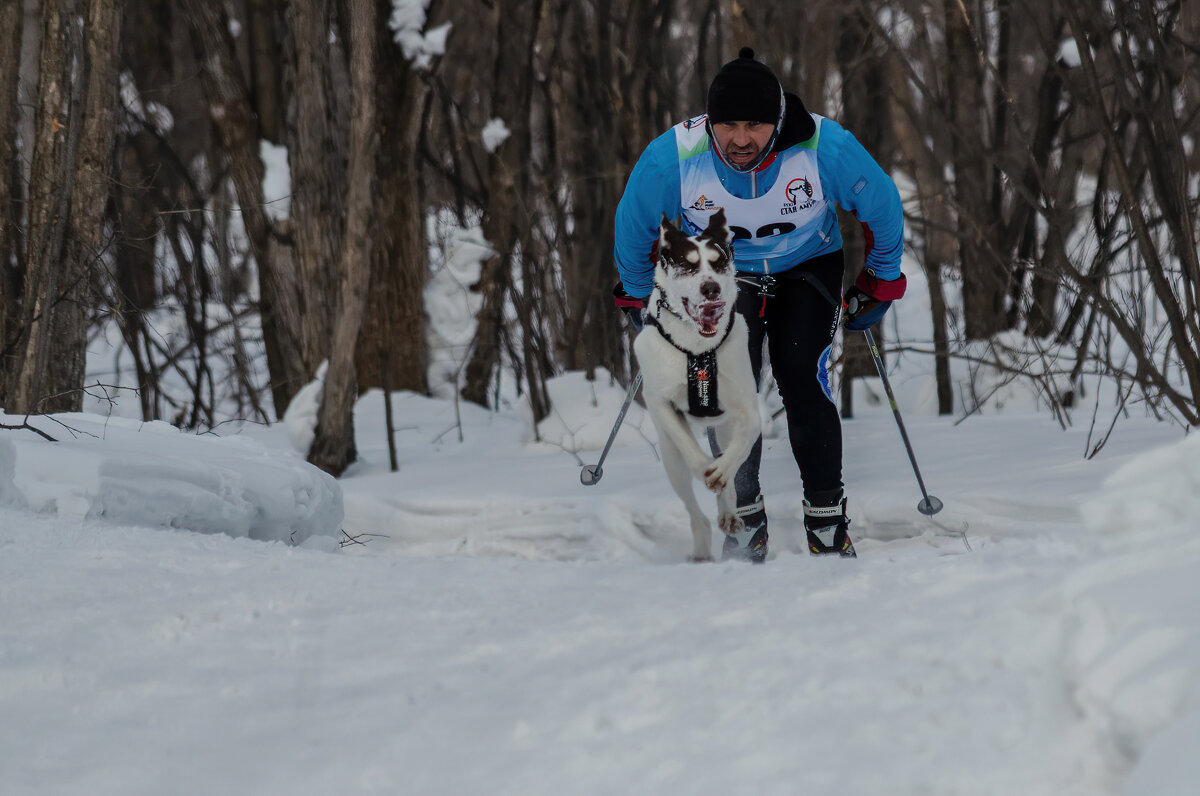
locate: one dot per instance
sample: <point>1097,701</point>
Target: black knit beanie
<point>745,90</point>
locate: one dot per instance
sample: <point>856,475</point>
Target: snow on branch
<point>407,23</point>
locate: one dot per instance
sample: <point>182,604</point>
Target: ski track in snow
<point>512,632</point>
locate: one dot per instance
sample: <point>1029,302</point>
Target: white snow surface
<point>502,629</point>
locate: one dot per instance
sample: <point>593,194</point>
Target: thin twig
<point>26,427</point>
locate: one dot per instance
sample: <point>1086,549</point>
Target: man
<point>776,170</point>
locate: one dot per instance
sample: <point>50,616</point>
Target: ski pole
<point>929,505</point>
<point>592,473</point>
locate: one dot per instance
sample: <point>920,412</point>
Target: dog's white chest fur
<point>667,378</point>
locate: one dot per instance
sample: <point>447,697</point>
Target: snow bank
<point>151,474</point>
<point>1152,494</point>
<point>9,494</point>
<point>582,414</point>
<point>1133,635</point>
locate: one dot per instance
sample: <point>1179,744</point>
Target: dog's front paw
<point>730,524</point>
<point>717,476</point>
<point>700,467</point>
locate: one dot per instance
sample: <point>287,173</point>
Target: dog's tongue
<point>710,317</point>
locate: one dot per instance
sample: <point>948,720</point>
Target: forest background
<point>275,185</point>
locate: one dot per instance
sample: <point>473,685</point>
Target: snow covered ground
<point>504,630</point>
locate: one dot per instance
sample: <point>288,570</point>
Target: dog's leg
<point>671,426</point>
<point>736,437</point>
<point>740,431</point>
<point>727,519</point>
<point>681,481</point>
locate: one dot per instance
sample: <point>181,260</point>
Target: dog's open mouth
<point>707,316</point>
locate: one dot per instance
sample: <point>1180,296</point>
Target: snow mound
<point>1155,493</point>
<point>152,474</point>
<point>9,494</point>
<point>1133,631</point>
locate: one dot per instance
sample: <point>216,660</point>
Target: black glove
<point>869,298</point>
<point>632,306</point>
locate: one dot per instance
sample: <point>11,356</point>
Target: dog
<point>693,342</point>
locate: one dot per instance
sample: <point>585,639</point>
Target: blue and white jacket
<point>781,213</point>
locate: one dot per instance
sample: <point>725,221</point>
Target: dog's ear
<point>717,230</point>
<point>669,235</point>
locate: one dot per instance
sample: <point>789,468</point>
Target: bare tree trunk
<point>517,22</point>
<point>262,22</point>
<point>596,158</point>
<point>866,112</point>
<point>933,218</point>
<point>86,243</point>
<point>11,17</point>
<point>134,282</point>
<point>393,334</point>
<point>985,277</point>
<point>317,152</point>
<point>50,281</point>
<point>31,56</point>
<point>231,114</point>
<point>600,134</point>
<point>333,447</point>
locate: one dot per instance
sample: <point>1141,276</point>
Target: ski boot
<point>749,544</point>
<point>826,527</point>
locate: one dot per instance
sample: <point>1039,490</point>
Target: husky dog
<point>692,344</point>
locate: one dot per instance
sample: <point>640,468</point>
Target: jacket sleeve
<point>852,178</point>
<point>651,191</point>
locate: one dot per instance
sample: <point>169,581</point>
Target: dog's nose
<point>710,290</point>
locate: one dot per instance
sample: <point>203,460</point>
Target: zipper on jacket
<point>754,195</point>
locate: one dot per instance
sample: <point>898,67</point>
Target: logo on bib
<point>703,203</point>
<point>794,189</point>
<point>797,185</point>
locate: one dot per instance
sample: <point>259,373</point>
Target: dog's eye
<point>685,262</point>
<point>721,262</point>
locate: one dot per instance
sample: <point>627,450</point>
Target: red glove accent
<point>625,301</point>
<point>880,289</point>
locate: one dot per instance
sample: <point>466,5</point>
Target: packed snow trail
<point>516,633</point>
<point>144,662</point>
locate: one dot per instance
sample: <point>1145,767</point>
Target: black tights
<point>799,324</point>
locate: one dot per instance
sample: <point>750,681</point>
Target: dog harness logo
<point>703,203</point>
<point>702,385</point>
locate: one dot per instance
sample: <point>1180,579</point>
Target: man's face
<point>742,142</point>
